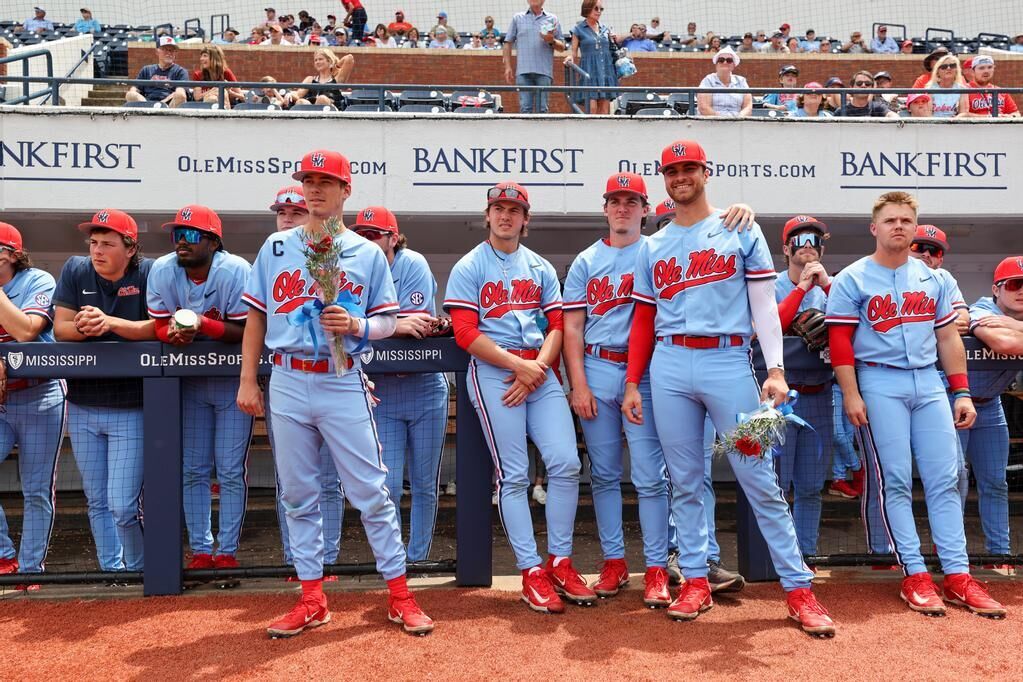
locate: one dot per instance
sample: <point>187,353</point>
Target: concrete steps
<point>105,96</point>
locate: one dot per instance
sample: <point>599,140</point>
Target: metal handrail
<point>27,80</point>
<point>225,23</point>
<point>194,24</point>
<point>574,73</point>
<point>157,27</point>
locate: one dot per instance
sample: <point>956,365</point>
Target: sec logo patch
<point>42,300</point>
<point>417,298</point>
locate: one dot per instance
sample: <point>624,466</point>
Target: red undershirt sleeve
<point>162,326</point>
<point>556,321</point>
<point>211,328</point>
<point>641,341</point>
<point>466,325</point>
<point>788,308</point>
<point>840,340</point>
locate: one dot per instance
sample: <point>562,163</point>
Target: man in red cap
<point>983,67</point>
<point>312,400</point>
<point>413,411</point>
<point>102,297</point>
<point>699,288</point>
<point>196,291</point>
<point>33,412</point>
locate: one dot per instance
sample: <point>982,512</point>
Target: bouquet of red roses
<point>760,431</point>
<point>323,261</point>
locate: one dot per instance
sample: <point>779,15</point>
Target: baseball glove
<point>3,381</point>
<point>809,325</point>
<point>442,327</point>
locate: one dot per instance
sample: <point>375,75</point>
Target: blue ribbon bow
<point>787,411</point>
<point>308,315</point>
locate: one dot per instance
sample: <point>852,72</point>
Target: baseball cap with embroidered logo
<point>114,220</point>
<point>929,234</point>
<point>683,151</point>
<point>376,218</point>
<point>325,162</point>
<point>166,41</point>
<point>802,222</point>
<point>10,238</point>
<point>1010,268</point>
<point>200,217</point>
<point>625,183</point>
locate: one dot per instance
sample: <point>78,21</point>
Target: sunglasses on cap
<point>495,193</point>
<point>1012,284</point>
<point>802,239</point>
<point>371,235</point>
<point>289,198</point>
<point>929,249</point>
<point>190,234</point>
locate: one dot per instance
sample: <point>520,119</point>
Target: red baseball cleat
<point>8,566</point>
<point>920,594</point>
<point>655,587</point>
<point>538,592</point>
<point>613,577</point>
<point>310,612</point>
<point>28,588</point>
<point>857,481</point>
<point>404,609</point>
<point>568,583</point>
<point>201,561</point>
<point>225,561</point>
<point>842,489</point>
<point>809,613</point>
<point>330,578</point>
<point>693,599</point>
<point>962,589</point>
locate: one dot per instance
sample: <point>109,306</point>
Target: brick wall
<point>3,53</point>
<point>455,67</point>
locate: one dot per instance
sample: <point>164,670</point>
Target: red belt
<point>702,342</point>
<point>525,353</point>
<point>809,389</point>
<point>20,384</point>
<point>303,365</point>
<point>605,354</point>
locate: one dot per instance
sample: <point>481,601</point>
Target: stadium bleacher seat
<point>679,101</point>
<point>471,98</point>
<point>314,107</point>
<point>421,109</point>
<point>426,97</point>
<point>474,110</point>
<point>143,105</point>
<point>768,113</point>
<point>255,106</point>
<point>199,105</point>
<point>630,102</point>
<point>663,112</point>
<point>368,97</point>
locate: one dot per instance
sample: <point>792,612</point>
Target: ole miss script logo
<point>602,296</point>
<point>884,314</point>
<point>704,267</point>
<point>290,290</point>
<point>496,300</point>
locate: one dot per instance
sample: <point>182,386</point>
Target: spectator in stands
<point>761,42</point>
<point>316,37</point>
<point>268,94</point>
<point>746,46</point>
<point>381,37</point>
<point>833,100</point>
<point>475,43</point>
<point>793,45</point>
<point>277,38</point>
<point>441,40</point>
<point>490,42</point>
<point>713,42</point>
<point>826,46</point>
<point>856,44</point>
<point>229,37</point>
<point>592,49</point>
<point>980,103</point>
<point>784,31</point>
<point>399,27</point>
<point>923,79</point>
<point>291,33</point>
<point>788,77</point>
<point>883,79</point>
<point>355,19</point>
<point>442,22</point>
<point>87,24</point>
<point>724,103</point>
<point>38,23</point>
<point>305,22</point>
<point>777,45</point>
<point>968,70</point>
<point>257,36</point>
<point>810,43</point>
<point>329,70</point>
<point>920,105</point>
<point>1017,44</point>
<point>811,105</point>
<point>271,17</point>
<point>906,47</point>
<point>638,40</point>
<point>882,43</point>
<point>412,39</point>
<point>691,38</point>
<point>535,34</point>
<point>331,24</point>
<point>340,37</point>
<point>162,74</point>
<point>658,33</point>
<point>864,105</point>
<point>489,29</point>
<point>213,67</point>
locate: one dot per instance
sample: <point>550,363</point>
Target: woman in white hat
<point>724,103</point>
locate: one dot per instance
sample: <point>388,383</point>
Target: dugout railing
<point>162,367</point>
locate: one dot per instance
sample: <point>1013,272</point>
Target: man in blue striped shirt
<point>536,35</point>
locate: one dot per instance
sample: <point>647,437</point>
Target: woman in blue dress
<point>593,40</point>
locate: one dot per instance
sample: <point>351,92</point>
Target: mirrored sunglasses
<point>813,239</point>
<point>1012,284</point>
<point>929,249</point>
<point>290,198</point>
<point>495,193</point>
<point>189,234</point>
<point>371,235</point>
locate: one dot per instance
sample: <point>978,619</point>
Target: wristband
<point>959,382</point>
<point>961,393</point>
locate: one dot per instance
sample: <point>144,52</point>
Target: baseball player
<point>495,294</point>
<point>32,415</point>
<point>200,276</point>
<point>800,464</point>
<point>289,206</point>
<point>103,298</point>
<point>844,458</point>
<point>891,319</point>
<point>699,289</point>
<point>311,403</point>
<point>413,410</point>
<point>997,320</point>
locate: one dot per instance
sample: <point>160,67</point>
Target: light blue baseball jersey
<point>897,311</point>
<point>414,283</point>
<point>600,282</point>
<point>280,284</point>
<point>987,383</point>
<point>507,290</point>
<point>169,288</point>
<point>31,290</point>
<point>697,277</point>
<point>954,293</point>
<point>814,298</point>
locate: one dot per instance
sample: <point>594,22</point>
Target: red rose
<point>321,246</point>
<point>748,447</point>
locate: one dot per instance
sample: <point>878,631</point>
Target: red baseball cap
<point>929,234</point>
<point>508,191</point>
<point>968,64</point>
<point>802,222</point>
<point>289,196</point>
<point>1010,268</point>
<point>376,218</point>
<point>683,151</point>
<point>664,208</point>
<point>625,183</point>
<point>325,162</point>
<point>112,219</point>
<point>10,237</point>
<point>784,27</point>
<point>200,217</point>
